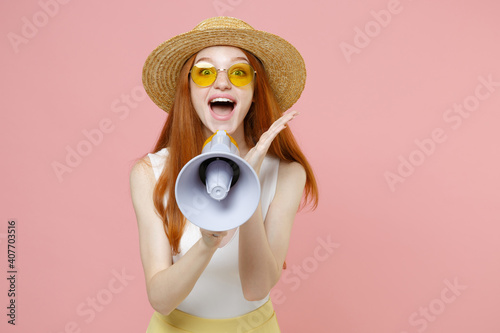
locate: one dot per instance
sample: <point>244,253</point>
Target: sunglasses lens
<point>203,74</point>
<point>240,74</point>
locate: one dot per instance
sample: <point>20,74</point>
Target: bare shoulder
<point>142,174</point>
<point>142,184</point>
<point>291,172</point>
<point>290,184</point>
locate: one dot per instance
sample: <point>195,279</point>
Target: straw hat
<point>284,65</point>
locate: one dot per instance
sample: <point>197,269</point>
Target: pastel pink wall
<point>399,119</point>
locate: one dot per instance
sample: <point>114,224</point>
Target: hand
<point>212,239</point>
<point>255,156</point>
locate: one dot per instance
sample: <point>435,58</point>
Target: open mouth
<point>222,108</point>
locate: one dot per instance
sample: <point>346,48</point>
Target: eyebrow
<point>210,59</point>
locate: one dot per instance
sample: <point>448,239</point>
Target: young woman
<point>222,75</point>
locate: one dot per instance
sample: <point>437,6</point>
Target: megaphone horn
<point>218,190</point>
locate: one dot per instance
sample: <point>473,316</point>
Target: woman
<point>222,75</point>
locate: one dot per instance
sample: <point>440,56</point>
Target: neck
<point>239,137</point>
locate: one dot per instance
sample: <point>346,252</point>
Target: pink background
<point>395,250</point>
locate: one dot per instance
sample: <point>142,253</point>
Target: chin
<point>228,128</point>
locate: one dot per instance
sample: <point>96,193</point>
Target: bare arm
<point>167,284</point>
<point>263,246</point>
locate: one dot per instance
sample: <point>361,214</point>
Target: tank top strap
<point>268,179</point>
<point>158,161</point>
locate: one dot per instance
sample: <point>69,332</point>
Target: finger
<point>267,138</point>
<point>289,115</point>
<point>281,123</point>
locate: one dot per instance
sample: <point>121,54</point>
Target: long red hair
<point>183,135</point>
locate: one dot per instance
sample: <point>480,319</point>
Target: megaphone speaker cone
<point>240,198</point>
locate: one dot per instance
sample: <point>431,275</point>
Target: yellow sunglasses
<point>205,74</point>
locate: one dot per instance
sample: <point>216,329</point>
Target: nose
<point>222,81</point>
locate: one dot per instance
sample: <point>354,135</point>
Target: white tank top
<point>218,292</point>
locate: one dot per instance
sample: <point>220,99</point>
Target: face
<point>222,105</point>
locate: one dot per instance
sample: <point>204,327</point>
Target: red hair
<point>183,135</point>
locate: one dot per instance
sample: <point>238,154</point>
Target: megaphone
<point>218,190</point>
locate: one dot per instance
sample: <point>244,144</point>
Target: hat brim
<point>284,65</point>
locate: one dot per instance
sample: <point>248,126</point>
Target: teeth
<point>219,99</point>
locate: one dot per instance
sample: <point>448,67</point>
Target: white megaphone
<point>218,190</point>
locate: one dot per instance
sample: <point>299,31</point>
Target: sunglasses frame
<point>217,70</point>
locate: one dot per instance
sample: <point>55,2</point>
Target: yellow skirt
<point>261,320</point>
